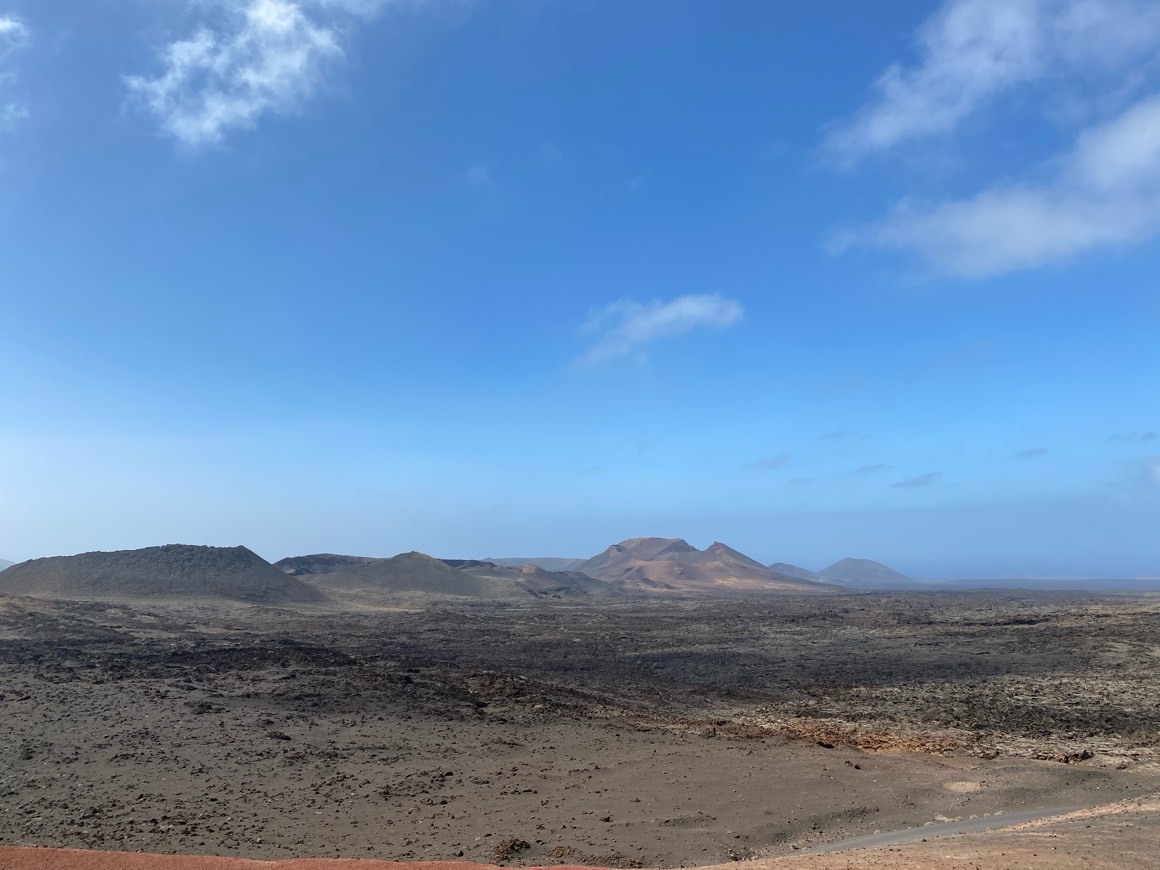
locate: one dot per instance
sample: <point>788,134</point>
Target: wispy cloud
<point>955,358</point>
<point>1031,453</point>
<point>842,387</point>
<point>14,38</point>
<point>264,57</point>
<point>1140,479</point>
<point>478,174</point>
<point>919,480</point>
<point>972,51</point>
<point>1136,437</point>
<point>628,327</point>
<point>773,463</point>
<point>838,435</point>
<point>1104,193</point>
<point>873,469</point>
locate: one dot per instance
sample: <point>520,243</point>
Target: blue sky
<point>526,277</point>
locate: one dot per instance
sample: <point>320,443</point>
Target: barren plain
<point>613,733</point>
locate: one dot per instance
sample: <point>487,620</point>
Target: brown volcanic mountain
<point>673,566</point>
<point>174,571</point>
<point>419,573</point>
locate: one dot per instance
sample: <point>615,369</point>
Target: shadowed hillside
<point>795,571</point>
<point>548,563</point>
<point>867,574</point>
<point>537,581</point>
<point>419,573</point>
<point>407,572</point>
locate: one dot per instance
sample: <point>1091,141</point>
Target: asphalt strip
<point>940,829</point>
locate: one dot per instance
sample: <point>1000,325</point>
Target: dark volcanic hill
<point>4,563</point>
<point>672,566</point>
<point>419,573</point>
<point>866,574</point>
<point>795,571</point>
<point>548,563</point>
<point>538,582</point>
<point>407,572</point>
<point>174,571</point>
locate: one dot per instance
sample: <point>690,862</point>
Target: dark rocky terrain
<point>615,733</point>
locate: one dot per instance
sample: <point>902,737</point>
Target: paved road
<point>942,829</point>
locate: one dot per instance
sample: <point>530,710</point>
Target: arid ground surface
<point>613,734</point>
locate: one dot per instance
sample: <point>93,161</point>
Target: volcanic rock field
<point>609,731</point>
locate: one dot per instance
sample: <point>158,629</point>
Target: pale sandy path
<point>941,829</point>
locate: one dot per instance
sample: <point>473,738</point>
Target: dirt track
<point>617,735</point>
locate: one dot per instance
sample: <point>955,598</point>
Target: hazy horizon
<point>475,278</point>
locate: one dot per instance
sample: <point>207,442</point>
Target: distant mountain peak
<point>674,566</point>
<point>864,572</point>
<point>678,546</point>
<point>724,553</point>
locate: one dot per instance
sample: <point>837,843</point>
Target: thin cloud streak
<point>837,435</point>
<point>479,175</point>
<point>628,327</point>
<point>771,464</point>
<point>1141,437</point>
<point>1032,453</point>
<point>872,469</point>
<point>918,481</point>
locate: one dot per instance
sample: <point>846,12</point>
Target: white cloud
<point>971,51</point>
<point>628,326</point>
<point>1105,192</point>
<point>14,37</point>
<point>270,58</point>
<point>13,31</point>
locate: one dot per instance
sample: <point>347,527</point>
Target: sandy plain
<point>619,734</point>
